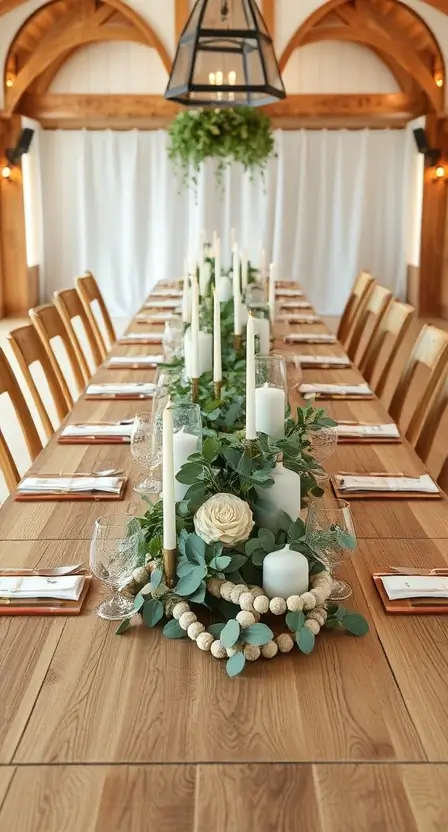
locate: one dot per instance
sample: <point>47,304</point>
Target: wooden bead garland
<point>254,603</point>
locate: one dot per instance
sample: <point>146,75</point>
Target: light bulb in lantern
<point>440,171</point>
<point>439,80</point>
<point>219,78</point>
<point>212,78</point>
<point>232,82</point>
<point>6,172</point>
<point>9,82</point>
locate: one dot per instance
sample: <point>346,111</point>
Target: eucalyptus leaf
<point>284,521</point>
<point>210,449</point>
<point>138,602</point>
<point>189,473</point>
<point>297,530</point>
<point>230,634</point>
<point>198,597</point>
<point>220,563</point>
<point>190,583</point>
<point>295,621</point>
<point>173,630</point>
<point>123,627</point>
<point>305,640</point>
<point>152,612</point>
<point>156,579</point>
<point>251,546</point>
<point>195,549</point>
<point>258,557</point>
<point>216,629</point>
<point>236,562</point>
<point>355,624</point>
<point>185,569</point>
<point>258,634</point>
<point>236,664</point>
<point>267,540</point>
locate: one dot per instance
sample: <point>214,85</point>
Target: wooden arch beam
<point>402,55</point>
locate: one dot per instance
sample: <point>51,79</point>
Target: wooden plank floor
<point>106,733</point>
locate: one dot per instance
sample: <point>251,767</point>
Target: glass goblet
<point>271,395</point>
<point>330,534</point>
<point>115,551</point>
<point>172,339</point>
<point>187,438</point>
<point>146,448</point>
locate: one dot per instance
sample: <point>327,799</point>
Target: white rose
<point>224,518</point>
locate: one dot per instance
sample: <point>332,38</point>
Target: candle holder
<point>271,395</point>
<point>195,389</point>
<point>217,390</point>
<point>237,342</point>
<point>252,448</point>
<point>169,566</point>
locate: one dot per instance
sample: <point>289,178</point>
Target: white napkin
<point>52,485</point>
<point>65,589</point>
<point>98,430</point>
<point>155,337</point>
<point>310,338</point>
<point>167,293</point>
<point>161,304</point>
<point>299,319</point>
<point>158,319</point>
<point>423,484</point>
<point>334,360</point>
<point>289,293</point>
<point>415,586</point>
<point>386,431</point>
<point>295,304</point>
<point>125,388</point>
<point>143,360</point>
<point>344,389</point>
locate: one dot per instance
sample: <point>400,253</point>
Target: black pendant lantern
<point>225,58</point>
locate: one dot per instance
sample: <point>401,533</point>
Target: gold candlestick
<point>218,389</point>
<point>237,341</point>
<point>169,566</point>
<point>195,389</point>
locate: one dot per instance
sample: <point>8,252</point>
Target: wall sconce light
<point>439,80</point>
<point>6,173</point>
<point>440,172</point>
<point>9,81</point>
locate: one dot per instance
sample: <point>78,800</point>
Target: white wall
<point>112,67</point>
<point>319,66</point>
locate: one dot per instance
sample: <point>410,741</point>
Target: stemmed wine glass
<point>323,445</point>
<point>173,338</point>
<point>115,552</point>
<point>146,441</point>
<point>330,534</point>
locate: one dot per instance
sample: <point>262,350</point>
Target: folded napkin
<point>161,304</point>
<point>124,388</point>
<point>98,430</point>
<point>310,338</point>
<point>167,293</point>
<point>333,360</point>
<point>143,360</point>
<point>150,319</point>
<point>299,319</point>
<point>386,431</point>
<point>337,389</point>
<point>415,586</point>
<point>64,589</point>
<point>423,484</point>
<point>156,337</point>
<point>289,293</point>
<point>52,485</point>
<point>295,304</point>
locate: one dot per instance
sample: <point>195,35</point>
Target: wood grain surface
<point>106,733</point>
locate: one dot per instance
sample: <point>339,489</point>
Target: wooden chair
<point>68,303</point>
<point>395,323</point>
<point>9,385</point>
<point>431,423</point>
<point>49,325</point>
<point>431,350</point>
<point>29,349</point>
<point>369,319</point>
<point>362,286</point>
<point>89,292</point>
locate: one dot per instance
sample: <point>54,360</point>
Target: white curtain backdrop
<point>333,202</point>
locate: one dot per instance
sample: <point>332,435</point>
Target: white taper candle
<point>186,295</point>
<point>217,363</point>
<point>272,279</point>
<point>169,502</point>
<point>244,270</point>
<point>251,432</point>
<point>194,328</point>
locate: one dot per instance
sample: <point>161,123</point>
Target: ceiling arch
<point>49,36</point>
<point>388,27</point>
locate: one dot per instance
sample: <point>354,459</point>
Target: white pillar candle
<point>184,444</point>
<point>217,363</point>
<point>205,341</point>
<point>263,330</point>
<point>238,327</point>
<point>270,411</point>
<point>244,271</point>
<point>272,279</point>
<point>238,316</point>
<point>284,495</point>
<point>285,573</point>
<point>169,500</point>
<point>217,262</point>
<point>194,328</point>
<point>236,272</point>
<point>205,277</point>
<point>251,431</point>
<point>186,295</point>
<point>225,289</point>
<point>215,242</point>
<point>233,242</point>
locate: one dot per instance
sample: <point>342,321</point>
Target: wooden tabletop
<point>105,733</point>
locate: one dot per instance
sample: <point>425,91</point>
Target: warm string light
<point>440,172</point>
<point>439,80</point>
<point>9,82</point>
<point>6,172</point>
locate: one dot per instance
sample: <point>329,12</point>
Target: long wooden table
<point>133,733</point>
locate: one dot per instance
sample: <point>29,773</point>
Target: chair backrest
<point>9,385</point>
<point>69,305</point>
<point>49,324</point>
<point>7,465</point>
<point>373,309</point>
<point>442,479</point>
<point>431,350</point>
<point>395,323</point>
<point>432,421</point>
<point>28,349</point>
<point>362,285</point>
<point>93,302</point>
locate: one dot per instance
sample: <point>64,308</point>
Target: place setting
<point>334,392</point>
<point>135,338</point>
<point>101,485</point>
<point>352,432</point>
<point>134,362</point>
<point>384,485</point>
<point>309,338</point>
<point>320,362</point>
<point>120,391</point>
<point>303,318</point>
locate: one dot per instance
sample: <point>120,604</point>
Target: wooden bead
<point>140,576</point>
<point>251,652</point>
<point>245,619</point>
<point>195,629</point>
<point>277,606</point>
<point>205,641</point>
<point>261,604</point>
<point>312,625</point>
<point>309,601</point>
<point>179,609</point>
<point>246,601</point>
<point>256,591</point>
<point>294,603</point>
<point>186,619</point>
<point>217,650</point>
<point>284,642</point>
<point>236,593</point>
<point>214,587</point>
<point>226,589</point>
<point>269,650</point>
